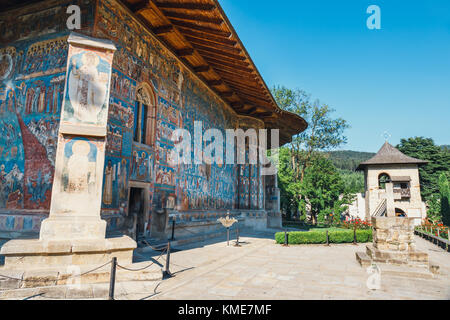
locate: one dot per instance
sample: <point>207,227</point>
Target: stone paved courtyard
<point>260,269</point>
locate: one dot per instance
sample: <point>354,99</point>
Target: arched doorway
<point>400,213</point>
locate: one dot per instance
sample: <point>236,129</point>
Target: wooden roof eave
<point>212,49</point>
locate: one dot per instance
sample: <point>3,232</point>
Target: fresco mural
<point>29,113</point>
<point>33,75</point>
<point>33,57</point>
<point>115,183</point>
<point>43,19</point>
<point>88,82</point>
<point>79,166</point>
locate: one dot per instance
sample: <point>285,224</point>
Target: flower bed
<point>320,237</point>
<point>435,229</point>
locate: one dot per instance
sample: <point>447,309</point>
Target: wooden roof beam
<point>163,29</point>
<point>196,27</point>
<point>226,94</point>
<point>215,82</point>
<point>245,81</point>
<point>202,69</point>
<point>219,52</point>
<point>185,52</point>
<point>237,105</point>
<point>188,6</point>
<point>266,115</point>
<point>226,62</point>
<point>251,98</point>
<point>139,6</point>
<point>191,17</point>
<point>254,100</point>
<point>207,36</point>
<point>251,111</point>
<point>224,47</point>
<point>234,69</point>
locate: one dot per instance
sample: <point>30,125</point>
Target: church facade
<point>174,64</point>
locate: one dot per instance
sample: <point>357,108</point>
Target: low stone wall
<point>393,233</point>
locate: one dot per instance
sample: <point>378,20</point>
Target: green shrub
<point>320,237</point>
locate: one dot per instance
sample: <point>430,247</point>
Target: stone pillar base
<point>393,244</point>
<point>274,220</point>
<point>45,254</point>
<point>63,228</point>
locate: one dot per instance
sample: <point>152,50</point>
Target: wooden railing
<point>441,242</point>
<point>382,207</point>
<point>404,193</point>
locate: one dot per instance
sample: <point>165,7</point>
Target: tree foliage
<point>348,160</point>
<point>444,189</point>
<point>438,162</point>
<point>323,133</point>
<point>323,190</point>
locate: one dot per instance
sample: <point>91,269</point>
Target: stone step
<point>405,271</point>
<point>397,257</point>
<point>63,275</point>
<point>363,259</point>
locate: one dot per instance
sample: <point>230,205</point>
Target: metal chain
<point>151,247</point>
<point>176,264</point>
<point>140,269</point>
<point>71,277</point>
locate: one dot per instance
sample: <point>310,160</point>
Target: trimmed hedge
<point>320,237</point>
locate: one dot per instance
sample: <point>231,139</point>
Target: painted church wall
<point>181,100</point>
<point>33,58</point>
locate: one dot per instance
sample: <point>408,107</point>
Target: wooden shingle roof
<point>389,155</point>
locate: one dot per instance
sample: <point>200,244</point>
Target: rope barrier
<point>151,247</point>
<point>140,269</point>
<point>71,277</point>
<point>177,264</point>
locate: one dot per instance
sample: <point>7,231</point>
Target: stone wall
<point>395,234</point>
<point>373,195</point>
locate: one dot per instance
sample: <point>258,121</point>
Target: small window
<point>383,179</point>
<point>145,116</point>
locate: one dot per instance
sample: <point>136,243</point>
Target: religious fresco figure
<point>78,168</point>
<point>123,191</point>
<point>108,184</point>
<point>88,87</point>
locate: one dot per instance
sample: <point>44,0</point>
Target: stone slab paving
<point>261,270</point>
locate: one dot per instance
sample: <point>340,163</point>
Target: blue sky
<point>396,79</point>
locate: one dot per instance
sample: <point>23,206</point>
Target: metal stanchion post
<point>286,238</point>
<point>237,238</point>
<point>112,280</point>
<point>166,273</point>
<point>228,237</point>
<point>328,239</point>
<point>173,230</point>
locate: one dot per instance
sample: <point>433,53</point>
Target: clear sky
<point>396,79</point>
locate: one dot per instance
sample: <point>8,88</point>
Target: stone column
<point>390,205</point>
<point>77,188</point>
<point>74,233</point>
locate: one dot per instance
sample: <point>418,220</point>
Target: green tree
<point>289,187</point>
<point>322,189</point>
<point>438,162</point>
<point>323,133</point>
<point>444,189</point>
<point>434,208</point>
